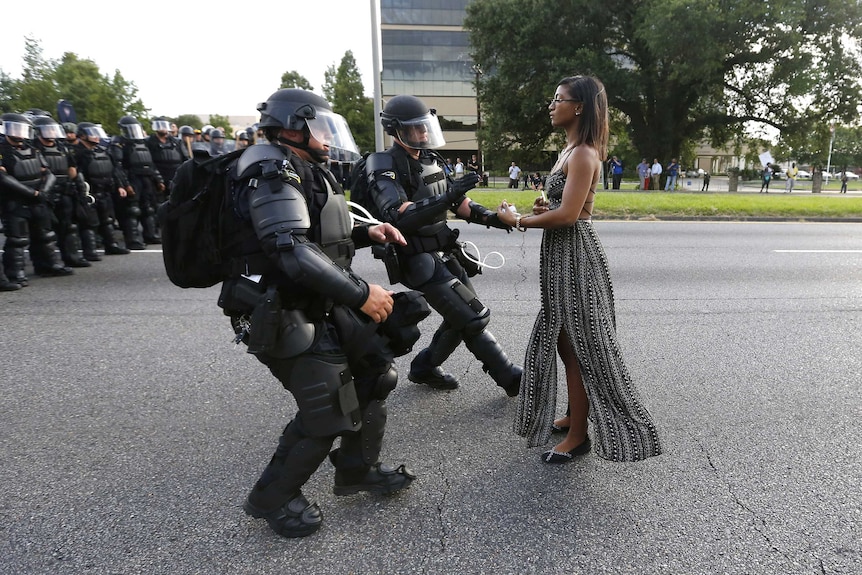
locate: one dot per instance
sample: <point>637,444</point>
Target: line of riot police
<point>68,188</point>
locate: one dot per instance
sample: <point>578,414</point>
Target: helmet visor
<point>133,131</point>
<point>161,126</point>
<point>18,130</point>
<point>423,132</point>
<point>51,132</point>
<point>94,132</point>
<point>332,129</point>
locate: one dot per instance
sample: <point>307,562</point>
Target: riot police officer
<point>25,184</point>
<point>409,189</point>
<point>106,179</point>
<point>166,152</point>
<point>217,145</point>
<point>187,137</point>
<point>293,228</point>
<point>69,191</point>
<point>139,204</point>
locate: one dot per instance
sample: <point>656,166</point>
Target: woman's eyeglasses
<point>555,101</point>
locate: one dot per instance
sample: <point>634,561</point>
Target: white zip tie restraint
<point>365,217</point>
<point>467,243</point>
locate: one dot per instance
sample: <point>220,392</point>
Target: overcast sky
<point>192,57</point>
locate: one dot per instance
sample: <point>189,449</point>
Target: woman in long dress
<point>577,319</point>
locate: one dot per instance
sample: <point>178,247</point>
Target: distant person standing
<point>843,183</point>
<point>473,164</point>
<point>459,169</point>
<point>672,173</point>
<point>655,174</point>
<point>766,177</point>
<point>643,170</point>
<point>514,176</point>
<point>616,172</point>
<point>791,173</point>
<point>705,187</point>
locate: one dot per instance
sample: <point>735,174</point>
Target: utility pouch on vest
<point>239,295</point>
<point>393,266</point>
<point>265,322</point>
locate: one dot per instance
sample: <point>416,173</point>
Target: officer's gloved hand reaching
<point>461,186</point>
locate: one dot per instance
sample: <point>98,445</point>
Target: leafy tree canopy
<point>343,89</point>
<point>677,70</point>
<point>294,79</point>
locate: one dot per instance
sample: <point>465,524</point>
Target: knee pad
<point>17,229</point>
<point>133,210</point>
<point>324,391</point>
<point>458,305</point>
<point>17,241</point>
<point>385,383</point>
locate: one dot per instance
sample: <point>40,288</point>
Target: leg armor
<point>361,450</point>
<point>494,360</point>
<point>458,305</point>
<point>296,458</point>
<point>88,245</point>
<point>324,391</point>
<point>17,240</point>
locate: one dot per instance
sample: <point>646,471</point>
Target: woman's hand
<point>506,215</point>
<point>540,206</point>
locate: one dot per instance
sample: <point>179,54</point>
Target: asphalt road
<point>132,428</point>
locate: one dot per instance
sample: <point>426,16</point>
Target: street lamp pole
<point>477,70</point>
<point>829,158</point>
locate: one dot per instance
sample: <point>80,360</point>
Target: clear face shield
<point>332,129</point>
<point>133,131</point>
<point>423,132</point>
<point>161,126</point>
<point>51,132</point>
<point>18,130</point>
<point>94,134</point>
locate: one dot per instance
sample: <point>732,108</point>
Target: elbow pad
<point>48,181</point>
<point>19,190</point>
<point>306,264</point>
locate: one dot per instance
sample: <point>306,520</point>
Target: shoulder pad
<point>380,161</point>
<point>254,155</point>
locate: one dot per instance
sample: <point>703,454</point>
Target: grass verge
<point>662,205</point>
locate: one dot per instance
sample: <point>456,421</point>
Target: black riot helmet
<point>161,125</point>
<point>410,121</point>
<point>48,129</point>
<point>301,110</point>
<point>91,132</point>
<point>17,127</point>
<point>130,128</point>
<point>70,128</point>
<point>187,131</point>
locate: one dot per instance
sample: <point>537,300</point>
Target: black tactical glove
<point>494,221</point>
<point>461,186</point>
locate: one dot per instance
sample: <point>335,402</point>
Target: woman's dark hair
<point>593,128</point>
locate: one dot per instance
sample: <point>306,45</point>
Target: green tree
<point>678,70</point>
<point>189,120</point>
<point>221,122</point>
<point>343,89</point>
<point>294,79</point>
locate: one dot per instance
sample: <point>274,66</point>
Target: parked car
<point>803,175</point>
<point>698,173</point>
<point>837,176</point>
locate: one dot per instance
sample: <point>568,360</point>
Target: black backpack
<point>191,222</point>
<point>358,185</point>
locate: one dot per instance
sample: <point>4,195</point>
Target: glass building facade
<point>426,53</point>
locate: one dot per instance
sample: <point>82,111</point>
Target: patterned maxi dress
<point>577,296</point>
